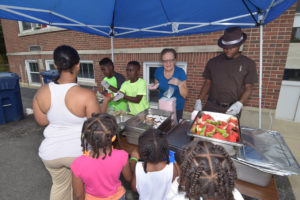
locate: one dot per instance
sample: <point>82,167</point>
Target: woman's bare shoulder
<point>43,91</point>
<point>83,92</point>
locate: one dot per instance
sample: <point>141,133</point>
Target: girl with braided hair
<point>206,173</point>
<point>154,175</point>
<point>96,174</point>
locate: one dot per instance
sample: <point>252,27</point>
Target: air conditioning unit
<point>36,26</point>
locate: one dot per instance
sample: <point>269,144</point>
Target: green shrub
<point>4,68</point>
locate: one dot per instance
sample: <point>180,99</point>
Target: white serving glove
<point>118,96</point>
<point>198,105</point>
<point>235,108</point>
<point>153,86</point>
<point>175,81</point>
<point>105,84</point>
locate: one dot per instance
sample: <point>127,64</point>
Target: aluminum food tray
<point>251,175</point>
<point>216,116</point>
<point>138,124</point>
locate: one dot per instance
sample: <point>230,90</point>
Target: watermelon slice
<point>233,120</point>
<point>230,127</point>
<point>201,131</point>
<point>205,117</point>
<point>212,122</point>
<point>231,138</point>
<point>236,134</point>
<point>200,126</point>
<point>194,128</point>
<point>219,136</point>
<point>222,125</point>
<point>210,130</point>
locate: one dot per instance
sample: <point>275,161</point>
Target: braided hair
<point>153,147</point>
<point>97,133</point>
<point>207,171</point>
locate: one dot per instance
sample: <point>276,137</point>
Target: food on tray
<point>118,112</point>
<point>149,120</point>
<point>223,130</point>
<point>155,120</point>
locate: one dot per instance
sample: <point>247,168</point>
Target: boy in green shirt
<point>112,83</point>
<point>133,90</point>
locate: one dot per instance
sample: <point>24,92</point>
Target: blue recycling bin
<point>11,107</point>
<point>49,76</point>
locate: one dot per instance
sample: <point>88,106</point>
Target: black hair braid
<point>153,147</point>
<point>97,133</point>
<point>207,171</point>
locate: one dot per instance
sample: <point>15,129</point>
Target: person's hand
<point>235,108</point>
<point>105,84</point>
<point>106,97</point>
<point>119,96</point>
<point>135,154</point>
<point>153,86</point>
<point>175,81</point>
<point>198,105</point>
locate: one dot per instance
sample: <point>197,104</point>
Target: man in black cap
<point>229,77</point>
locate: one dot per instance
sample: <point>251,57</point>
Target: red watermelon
<point>233,120</point>
<point>210,130</point>
<point>205,117</point>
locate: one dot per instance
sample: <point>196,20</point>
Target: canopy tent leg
<point>112,47</point>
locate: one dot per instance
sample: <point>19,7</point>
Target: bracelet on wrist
<point>133,158</point>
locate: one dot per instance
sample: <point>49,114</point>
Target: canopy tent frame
<point>176,27</point>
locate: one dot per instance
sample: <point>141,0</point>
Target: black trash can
<point>11,107</point>
<point>49,76</point>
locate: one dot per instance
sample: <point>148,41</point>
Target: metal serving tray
<point>138,123</point>
<point>216,116</point>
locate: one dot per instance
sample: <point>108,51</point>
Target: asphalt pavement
<point>22,173</point>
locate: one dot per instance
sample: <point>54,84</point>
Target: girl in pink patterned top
<point>96,174</point>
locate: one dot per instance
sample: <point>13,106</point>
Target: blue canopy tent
<point>155,18</point>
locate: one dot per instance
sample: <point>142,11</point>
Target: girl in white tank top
<point>153,176</point>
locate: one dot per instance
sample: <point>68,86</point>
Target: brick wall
<point>276,43</point>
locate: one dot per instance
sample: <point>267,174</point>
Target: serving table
<point>248,189</point>
<point>262,154</point>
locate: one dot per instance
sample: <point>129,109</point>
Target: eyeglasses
<point>168,61</point>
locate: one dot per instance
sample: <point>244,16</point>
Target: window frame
<point>34,31</point>
<point>28,72</point>
<point>87,81</point>
<point>33,27</point>
<point>146,77</point>
<point>48,63</point>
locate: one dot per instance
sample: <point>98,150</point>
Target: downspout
<point>260,18</point>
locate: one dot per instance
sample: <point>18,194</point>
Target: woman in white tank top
<point>62,106</point>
